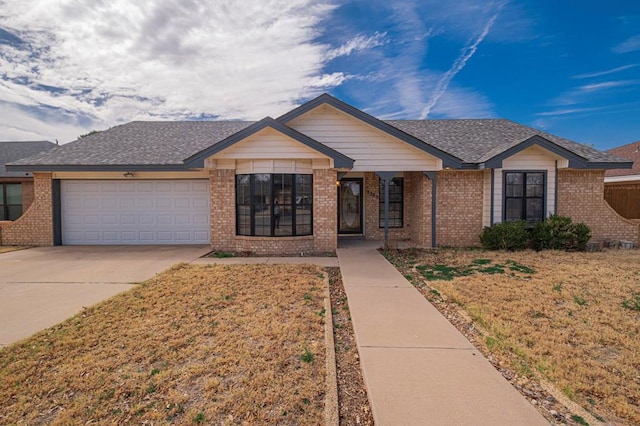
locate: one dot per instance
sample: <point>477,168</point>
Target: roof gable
<point>448,160</point>
<point>339,160</point>
<point>494,158</point>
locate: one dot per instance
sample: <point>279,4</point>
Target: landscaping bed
<point>571,320</point>
<point>214,344</point>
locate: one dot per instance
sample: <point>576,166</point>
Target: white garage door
<point>135,212</point>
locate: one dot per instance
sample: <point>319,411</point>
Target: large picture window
<point>10,201</point>
<point>524,196</point>
<point>274,205</point>
<point>396,203</point>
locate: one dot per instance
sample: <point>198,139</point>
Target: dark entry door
<point>350,206</point>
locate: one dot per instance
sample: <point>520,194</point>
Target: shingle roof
<point>165,143</point>
<point>12,151</point>
<point>168,144</point>
<point>478,140</point>
<point>632,153</point>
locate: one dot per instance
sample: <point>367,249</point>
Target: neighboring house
<point>295,183</point>
<point>16,187</point>
<point>622,187</point>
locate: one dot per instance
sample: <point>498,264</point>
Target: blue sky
<point>571,68</point>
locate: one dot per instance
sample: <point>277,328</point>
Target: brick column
<point>325,211</point>
<point>222,209</point>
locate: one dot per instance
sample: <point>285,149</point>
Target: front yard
<point>572,319</point>
<point>210,345</point>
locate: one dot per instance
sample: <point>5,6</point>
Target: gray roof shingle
<point>478,140</point>
<point>12,151</point>
<point>164,143</point>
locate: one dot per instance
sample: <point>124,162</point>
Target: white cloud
<point>606,72</point>
<point>629,45</point>
<point>119,60</point>
<point>358,43</point>
<point>467,52</point>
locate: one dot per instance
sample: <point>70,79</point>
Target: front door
<point>350,206</point>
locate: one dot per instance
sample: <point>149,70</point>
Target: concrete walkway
<point>418,368</point>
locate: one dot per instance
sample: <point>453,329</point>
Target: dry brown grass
<point>565,323</point>
<point>214,344</point>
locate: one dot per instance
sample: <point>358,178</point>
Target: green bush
<point>505,236</point>
<point>555,233</point>
<point>560,233</point>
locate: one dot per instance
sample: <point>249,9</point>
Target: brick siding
<point>223,219</point>
<point>35,226</point>
<point>459,208</point>
<point>581,197</point>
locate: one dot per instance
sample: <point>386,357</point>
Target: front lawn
<point>570,318</point>
<point>197,344</point>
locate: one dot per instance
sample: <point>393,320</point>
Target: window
<point>396,203</point>
<point>524,196</point>
<point>274,205</point>
<point>10,201</point>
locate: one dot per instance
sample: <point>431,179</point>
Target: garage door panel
<point>135,212</point>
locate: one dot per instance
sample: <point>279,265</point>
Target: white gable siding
<point>268,144</point>
<point>533,158</point>
<point>486,198</point>
<point>371,149</point>
<point>273,166</point>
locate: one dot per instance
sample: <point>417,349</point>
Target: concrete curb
<point>331,417</point>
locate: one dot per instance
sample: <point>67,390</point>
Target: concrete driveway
<point>43,286</point>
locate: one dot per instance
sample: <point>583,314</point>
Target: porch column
<point>433,178</point>
<point>386,178</point>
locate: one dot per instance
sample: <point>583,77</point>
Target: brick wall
<point>223,219</point>
<point>581,197</point>
<point>35,226</point>
<point>459,208</point>
<point>325,211</point>
<point>419,211</point>
<point>27,194</point>
<point>223,209</point>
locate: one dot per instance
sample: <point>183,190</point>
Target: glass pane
<point>535,190</point>
<point>350,206</point>
<point>2,213</point>
<point>513,209</point>
<point>304,194</point>
<point>1,193</point>
<point>535,178</point>
<point>514,178</point>
<point>514,191</point>
<point>15,212</point>
<point>534,209</point>
<point>303,222</point>
<point>242,189</point>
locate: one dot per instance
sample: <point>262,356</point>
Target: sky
<point>571,68</point>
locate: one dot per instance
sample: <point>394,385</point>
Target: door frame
<point>339,205</point>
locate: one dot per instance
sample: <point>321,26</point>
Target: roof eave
<point>96,167</point>
<point>575,161</point>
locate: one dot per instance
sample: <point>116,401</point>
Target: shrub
<point>555,233</point>
<point>560,233</point>
<point>505,236</point>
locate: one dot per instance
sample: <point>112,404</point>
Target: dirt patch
<point>354,408</point>
<point>220,344</point>
<point>569,319</point>
<point>7,249</point>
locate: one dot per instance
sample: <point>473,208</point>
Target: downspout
<point>493,194</point>
<point>433,177</point>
